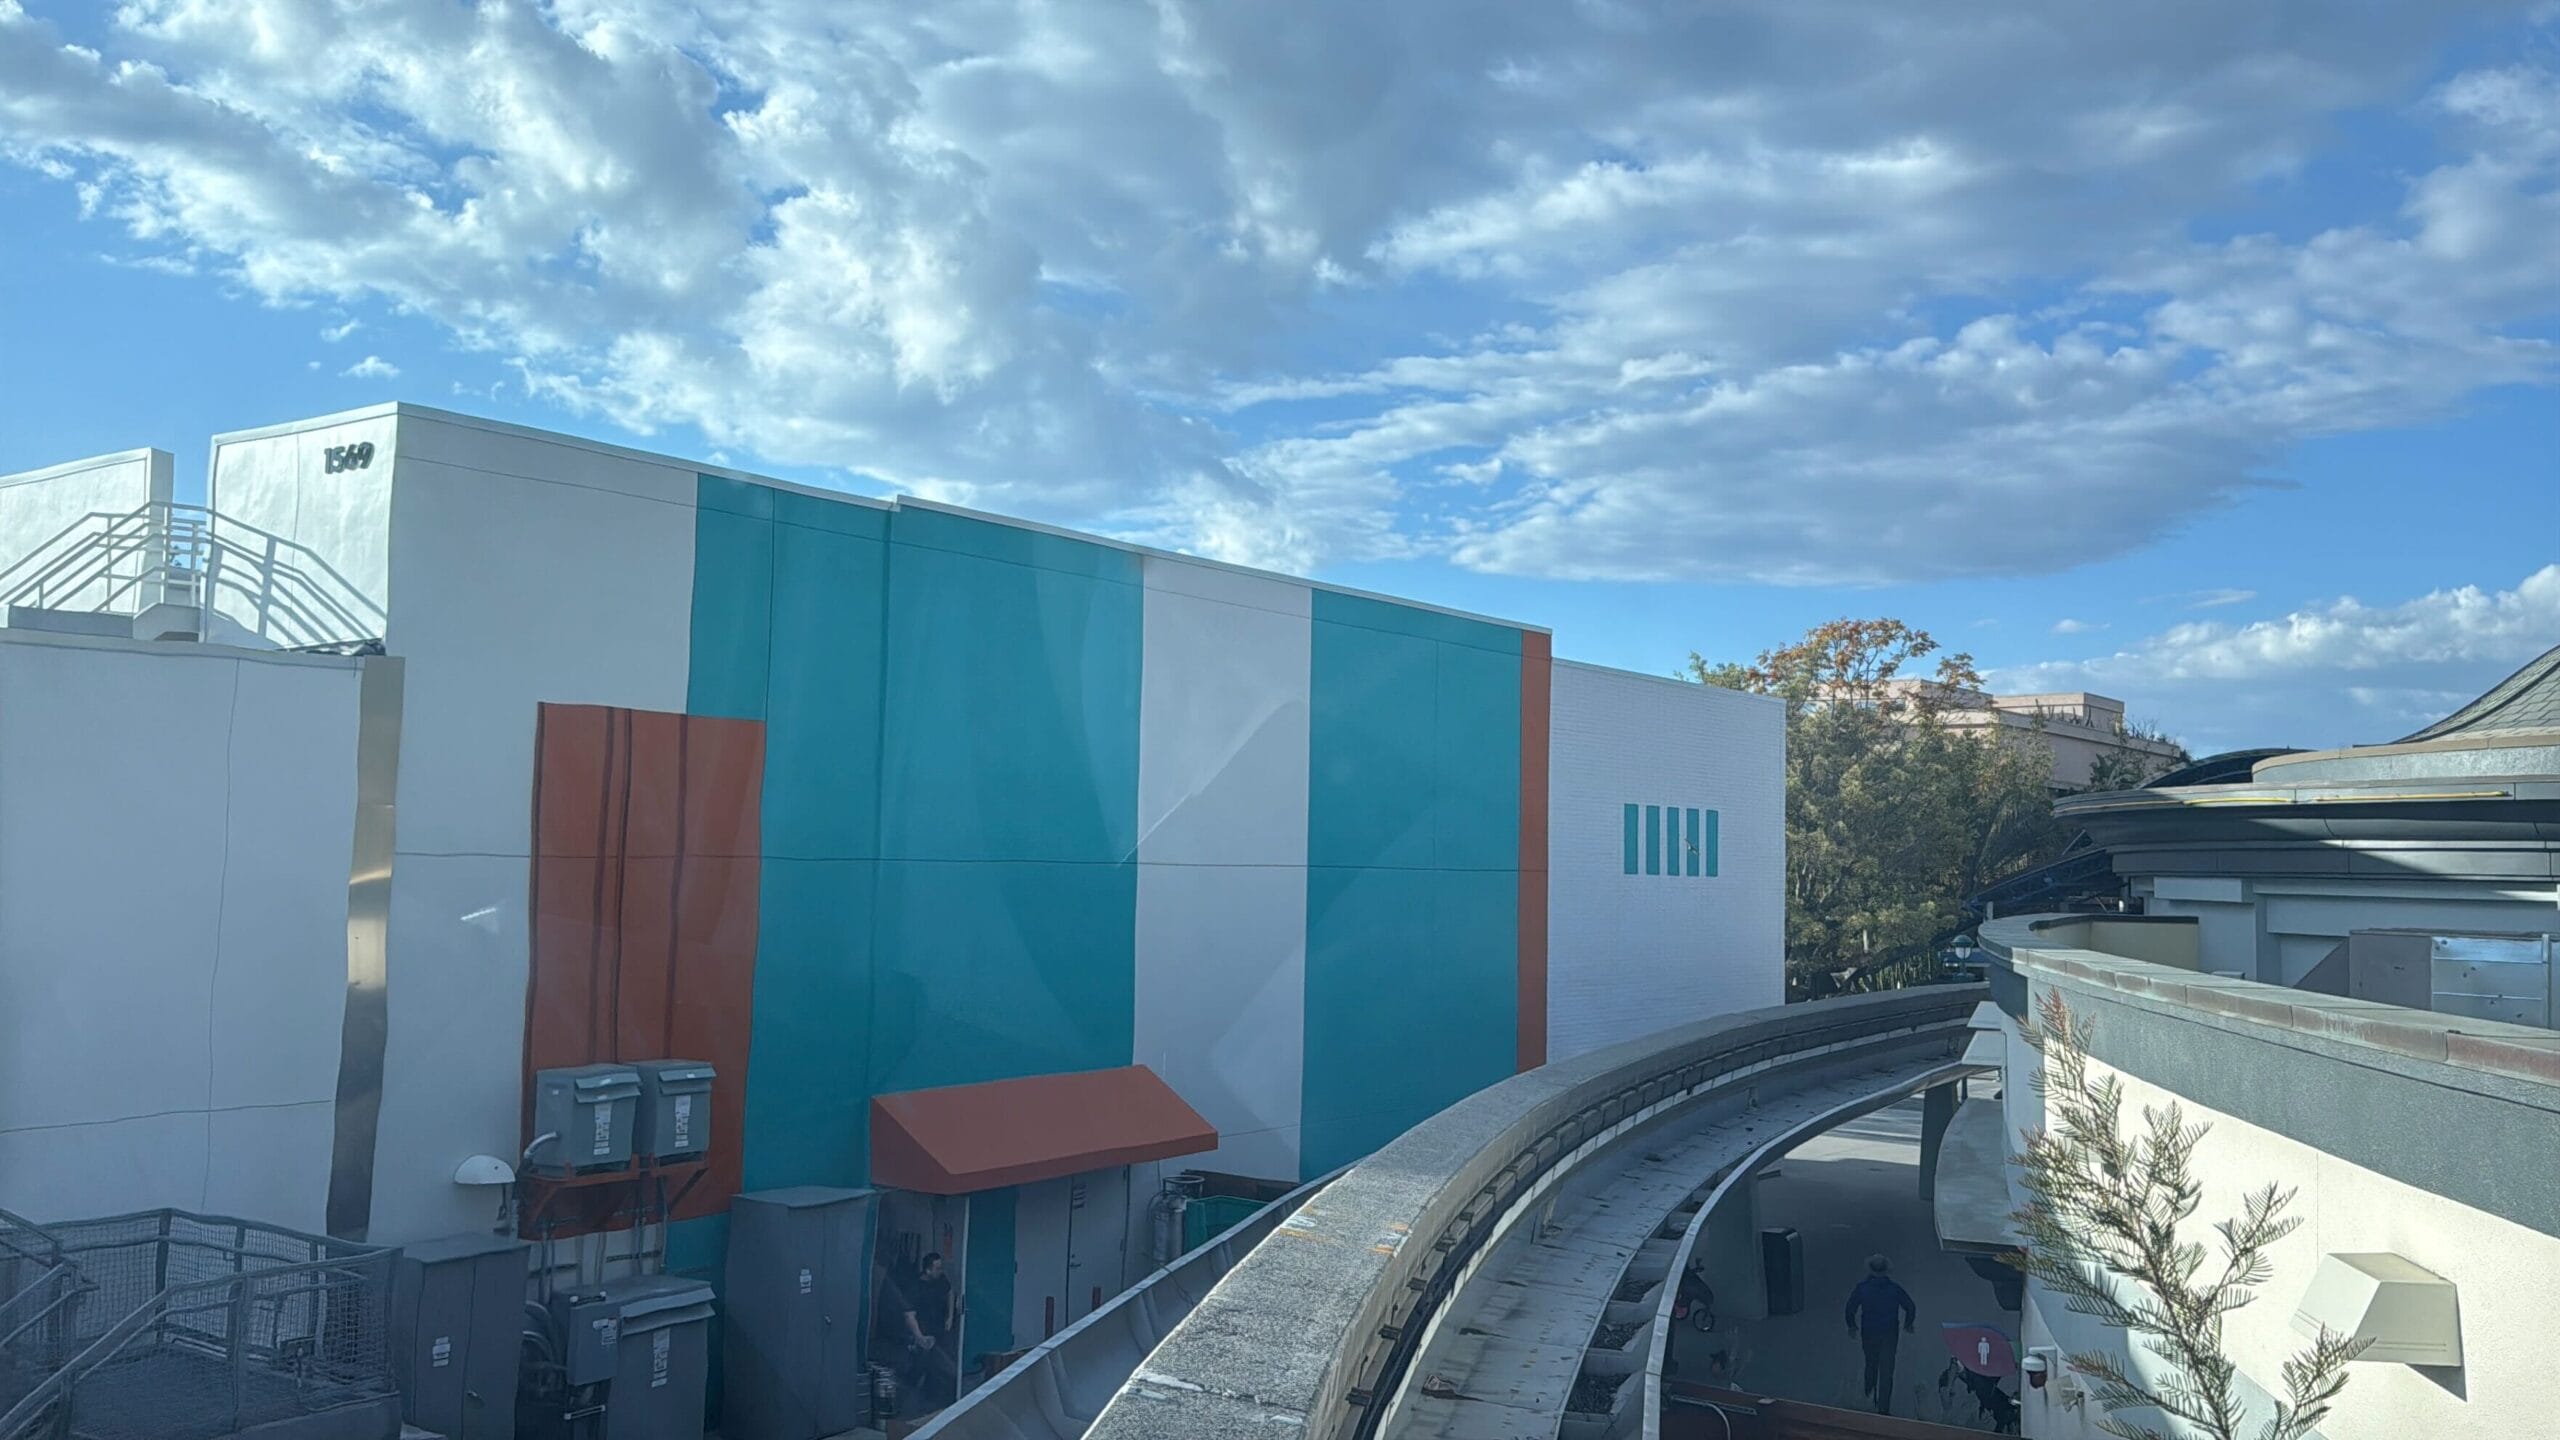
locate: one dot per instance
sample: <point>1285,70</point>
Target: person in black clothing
<point>937,1312</point>
<point>896,1337</point>
<point>1874,1305</point>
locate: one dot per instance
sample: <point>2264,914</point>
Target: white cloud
<point>1802,294</point>
<point>2336,672</point>
<point>2068,626</point>
<point>335,333</point>
<point>372,367</point>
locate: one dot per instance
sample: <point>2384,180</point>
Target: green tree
<point>1893,815</point>
<point>2102,1223</point>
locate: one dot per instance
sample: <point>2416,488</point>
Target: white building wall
<point>1222,855</point>
<point>176,824</point>
<point>36,506</point>
<point>2505,1274</point>
<point>528,569</point>
<point>308,553</point>
<point>1631,954</point>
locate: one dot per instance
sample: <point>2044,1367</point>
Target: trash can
<point>662,1364</point>
<point>1782,1257</point>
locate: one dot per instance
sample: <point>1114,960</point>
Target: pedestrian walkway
<point>1852,1193</point>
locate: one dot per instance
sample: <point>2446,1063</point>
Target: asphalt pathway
<point>1852,1193</point>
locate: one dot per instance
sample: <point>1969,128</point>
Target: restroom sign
<point>1673,840</point>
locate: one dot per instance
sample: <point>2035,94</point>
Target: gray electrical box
<point>675,1109</point>
<point>590,1326</point>
<point>664,1369</point>
<point>457,1317</point>
<point>2480,974</point>
<point>795,1324</point>
<point>591,1109</point>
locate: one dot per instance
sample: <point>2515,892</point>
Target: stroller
<point>1998,1406</point>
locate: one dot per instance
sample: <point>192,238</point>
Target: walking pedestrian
<point>1874,1304</point>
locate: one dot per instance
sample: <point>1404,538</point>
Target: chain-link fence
<point>195,1327</point>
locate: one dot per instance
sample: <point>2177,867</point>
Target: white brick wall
<point>1632,954</point>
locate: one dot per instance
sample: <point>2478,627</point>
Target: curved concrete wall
<point>1054,1392</point>
<point>2428,1136</point>
<point>1293,1335</point>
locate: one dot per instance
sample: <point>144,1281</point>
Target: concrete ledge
<point>2463,1108</point>
<point>1312,1313</point>
<point>2027,943</point>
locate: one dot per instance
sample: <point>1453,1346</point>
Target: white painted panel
<point>451,1070</point>
<point>79,1172</point>
<point>1631,954</point>
<point>47,510</point>
<point>1223,718</point>
<point>279,987</point>
<point>514,591</point>
<point>308,552</point>
<point>1222,889</point>
<point>2506,1275</point>
<point>2214,889</point>
<point>112,781</point>
<point>175,829</point>
<point>554,459</point>
<point>271,1163</point>
<point>1221,1004</point>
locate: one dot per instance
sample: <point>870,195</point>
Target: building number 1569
<point>347,457</point>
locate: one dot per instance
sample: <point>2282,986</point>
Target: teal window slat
<point>1653,839</point>
<point>1693,842</point>
<point>1711,842</point>
<point>1632,820</point>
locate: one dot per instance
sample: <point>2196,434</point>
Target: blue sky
<point>2202,358</point>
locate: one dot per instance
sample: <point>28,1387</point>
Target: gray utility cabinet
<point>591,1110</point>
<point>649,1336</point>
<point>457,1311</point>
<point>798,1271</point>
<point>675,1109</point>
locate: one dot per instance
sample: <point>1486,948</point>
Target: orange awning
<point>961,1138</point>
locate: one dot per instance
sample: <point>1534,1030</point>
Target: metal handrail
<point>183,549</point>
<point>245,1291</point>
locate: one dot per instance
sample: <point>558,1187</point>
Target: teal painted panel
<point>1413,819</point>
<point>1475,1029</point>
<point>1372,740</point>
<point>1653,839</point>
<point>1013,544</point>
<point>1394,956</point>
<point>986,1289</point>
<point>1010,724</point>
<point>1475,757</point>
<point>841,517</point>
<point>822,728</point>
<point>808,1108</point>
<point>699,1248</point>
<point>1387,617</point>
<point>994,969</point>
<point>1371,992</point>
<point>733,497</point>
<point>1633,813</point>
<point>1710,844</point>
<point>732,632</point>
<point>1693,842</point>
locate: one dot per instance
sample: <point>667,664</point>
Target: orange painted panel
<point>1537,683</point>
<point>644,911</point>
